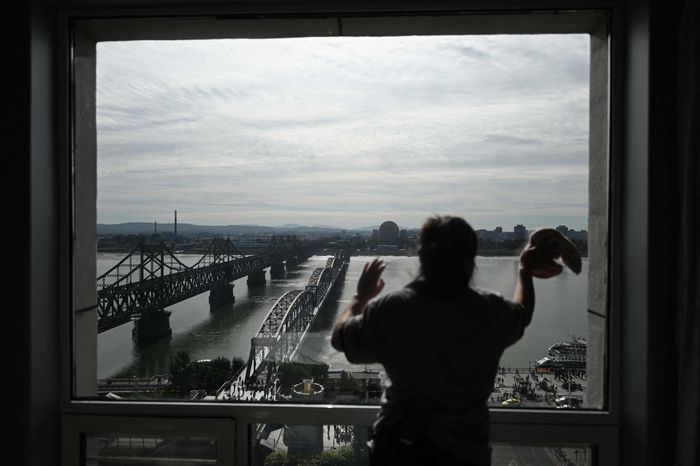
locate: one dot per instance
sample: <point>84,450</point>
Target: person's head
<point>447,250</point>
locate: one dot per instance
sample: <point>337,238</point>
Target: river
<point>560,312</point>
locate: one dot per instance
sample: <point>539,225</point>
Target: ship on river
<point>565,355</point>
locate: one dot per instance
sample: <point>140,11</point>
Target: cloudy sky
<point>343,131</point>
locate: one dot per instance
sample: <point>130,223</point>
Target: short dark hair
<point>447,251</point>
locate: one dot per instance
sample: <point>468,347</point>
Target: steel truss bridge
<point>151,278</point>
<point>289,319</point>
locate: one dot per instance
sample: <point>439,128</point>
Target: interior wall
<point>41,326</point>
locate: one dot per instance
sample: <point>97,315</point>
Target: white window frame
<point>82,30</point>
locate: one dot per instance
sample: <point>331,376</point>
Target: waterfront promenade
<point>514,388</point>
<point>525,387</point>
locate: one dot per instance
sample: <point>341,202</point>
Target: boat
<point>575,347</point>
<point>565,355</point>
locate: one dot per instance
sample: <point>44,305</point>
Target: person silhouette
<point>440,341</point>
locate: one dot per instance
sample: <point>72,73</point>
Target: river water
<point>560,312</point>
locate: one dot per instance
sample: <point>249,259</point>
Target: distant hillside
<point>188,229</point>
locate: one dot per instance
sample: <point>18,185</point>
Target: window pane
<point>278,155</point>
<point>512,455</point>
<point>284,444</point>
<point>130,449</point>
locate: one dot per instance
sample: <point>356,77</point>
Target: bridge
<point>285,327</point>
<point>151,277</point>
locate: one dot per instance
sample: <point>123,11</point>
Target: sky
<point>345,131</point>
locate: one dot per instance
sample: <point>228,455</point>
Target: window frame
<point>598,428</point>
<point>74,427</point>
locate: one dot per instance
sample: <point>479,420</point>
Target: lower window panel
<point>316,444</point>
<point>130,449</point>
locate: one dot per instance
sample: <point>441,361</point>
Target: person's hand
<point>544,246</point>
<point>538,261</point>
<point>371,282</point>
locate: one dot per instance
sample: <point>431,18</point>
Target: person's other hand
<point>539,261</point>
<point>544,247</point>
<point>371,282</point>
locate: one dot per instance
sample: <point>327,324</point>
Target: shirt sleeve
<point>362,335</point>
<point>512,318</point>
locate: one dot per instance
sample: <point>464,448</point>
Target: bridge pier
<point>256,278</point>
<point>221,293</point>
<point>151,327</point>
<point>277,270</point>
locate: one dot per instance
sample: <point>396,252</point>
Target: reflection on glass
<point>129,449</point>
<point>517,455</point>
<point>283,444</point>
<point>291,445</point>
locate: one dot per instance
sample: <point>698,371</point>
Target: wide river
<point>560,313</point>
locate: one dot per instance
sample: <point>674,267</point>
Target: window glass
<point>130,449</point>
<point>242,185</point>
<point>285,444</point>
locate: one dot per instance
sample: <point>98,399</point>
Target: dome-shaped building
<point>388,231</point>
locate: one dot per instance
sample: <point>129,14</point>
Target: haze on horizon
<point>345,131</point>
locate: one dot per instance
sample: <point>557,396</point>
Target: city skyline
<point>339,131</point>
<point>168,227</point>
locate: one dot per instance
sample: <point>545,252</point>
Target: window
<point>86,67</point>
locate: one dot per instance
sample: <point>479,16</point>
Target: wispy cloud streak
<point>345,131</point>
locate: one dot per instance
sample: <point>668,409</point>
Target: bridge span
<point>286,325</point>
<point>151,278</point>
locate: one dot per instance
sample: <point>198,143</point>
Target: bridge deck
<point>151,278</point>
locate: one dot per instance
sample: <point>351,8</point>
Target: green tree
<point>276,458</point>
<point>342,456</point>
<point>181,376</point>
<point>236,364</point>
<point>217,372</point>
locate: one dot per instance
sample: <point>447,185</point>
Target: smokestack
<point>175,223</point>
<point>155,227</point>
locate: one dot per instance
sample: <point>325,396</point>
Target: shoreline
<point>488,253</point>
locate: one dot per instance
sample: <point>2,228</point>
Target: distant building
<point>519,232</point>
<point>491,235</point>
<point>388,231</point>
<point>375,235</point>
<point>582,235</point>
<point>403,234</point>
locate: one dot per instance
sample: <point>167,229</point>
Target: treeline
<point>130,241</point>
<point>206,375</point>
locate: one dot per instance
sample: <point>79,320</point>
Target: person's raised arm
<point>537,259</point>
<point>524,293</point>
<point>369,285</point>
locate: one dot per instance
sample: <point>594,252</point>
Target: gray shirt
<point>441,357</point>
